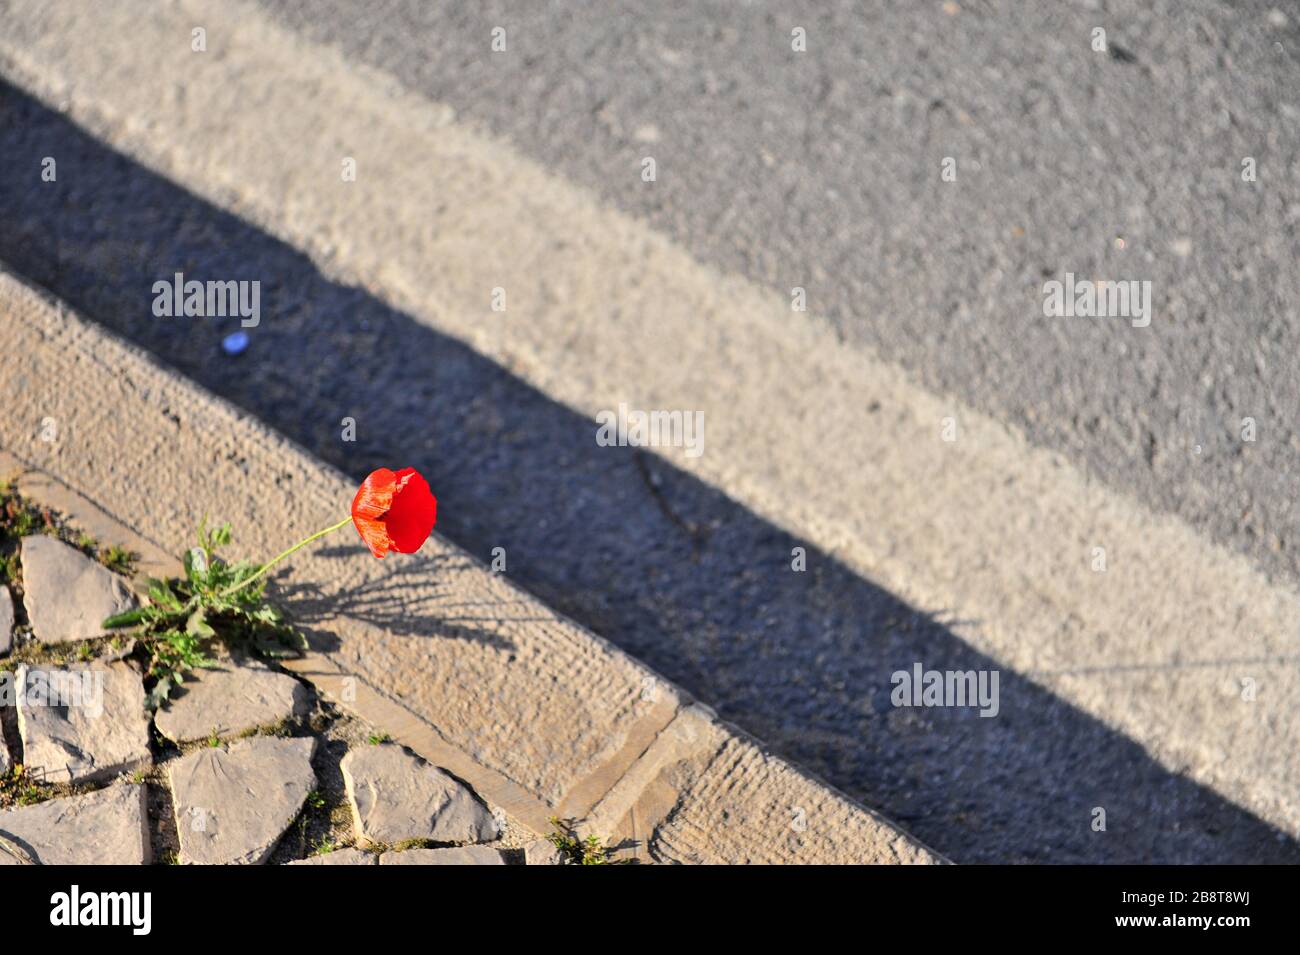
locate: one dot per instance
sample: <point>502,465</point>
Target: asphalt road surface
<point>823,169</point>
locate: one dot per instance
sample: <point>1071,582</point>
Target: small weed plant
<point>215,602</point>
<point>577,851</point>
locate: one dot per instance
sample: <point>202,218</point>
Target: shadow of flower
<point>405,599</point>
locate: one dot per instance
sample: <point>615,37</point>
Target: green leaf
<point>128,619</point>
<point>198,625</point>
<point>280,645</point>
<point>295,639</point>
<point>161,594</point>
<point>196,565</point>
<point>158,695</point>
<point>242,570</point>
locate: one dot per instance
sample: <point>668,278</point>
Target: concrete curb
<point>541,716</point>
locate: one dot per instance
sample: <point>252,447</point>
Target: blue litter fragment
<point>235,342</point>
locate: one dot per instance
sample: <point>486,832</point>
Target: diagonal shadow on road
<point>665,566</point>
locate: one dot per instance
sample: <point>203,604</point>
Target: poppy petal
<point>374,534</point>
<point>375,496</point>
<point>413,513</point>
<point>369,506</point>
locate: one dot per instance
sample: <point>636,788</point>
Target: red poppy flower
<point>394,511</point>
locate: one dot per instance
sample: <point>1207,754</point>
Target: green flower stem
<point>279,557</point>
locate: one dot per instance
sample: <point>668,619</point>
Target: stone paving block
<point>230,700</point>
<point>464,855</point>
<point>6,620</point>
<point>543,852</point>
<point>740,805</point>
<point>396,796</point>
<point>233,803</point>
<point>82,722</point>
<point>106,827</point>
<point>68,595</point>
<point>341,857</point>
<point>6,625</point>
